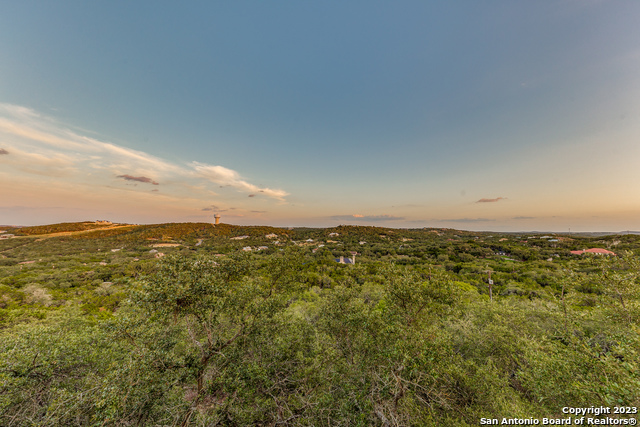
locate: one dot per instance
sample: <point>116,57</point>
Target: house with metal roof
<point>343,260</point>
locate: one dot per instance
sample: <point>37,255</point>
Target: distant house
<point>271,236</point>
<point>333,234</point>
<point>263,248</point>
<point>595,251</point>
<point>343,260</point>
<point>6,236</point>
<point>239,237</point>
<point>247,248</point>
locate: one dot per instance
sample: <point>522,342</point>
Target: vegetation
<point>63,227</point>
<point>176,324</point>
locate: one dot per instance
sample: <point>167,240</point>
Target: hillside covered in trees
<point>194,324</point>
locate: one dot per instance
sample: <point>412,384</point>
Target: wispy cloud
<point>138,179</point>
<point>40,146</point>
<point>358,217</point>
<point>468,220</point>
<point>43,163</point>
<point>227,177</point>
<point>497,199</point>
<point>211,208</point>
<point>35,131</point>
<point>523,217</point>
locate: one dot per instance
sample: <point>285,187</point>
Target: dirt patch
<point>71,233</point>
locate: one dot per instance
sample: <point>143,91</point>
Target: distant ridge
<point>97,225</point>
<point>574,233</point>
<point>603,233</point>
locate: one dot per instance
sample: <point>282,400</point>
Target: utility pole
<point>490,285</point>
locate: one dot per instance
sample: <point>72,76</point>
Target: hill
<point>194,324</point>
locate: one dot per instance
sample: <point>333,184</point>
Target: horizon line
<point>620,232</point>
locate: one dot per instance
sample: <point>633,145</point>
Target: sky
<point>494,115</point>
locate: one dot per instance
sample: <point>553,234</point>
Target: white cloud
<point>223,176</point>
<point>41,146</point>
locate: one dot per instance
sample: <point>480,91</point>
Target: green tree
<point>619,275</point>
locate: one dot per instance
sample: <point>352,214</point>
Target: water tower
<point>217,218</point>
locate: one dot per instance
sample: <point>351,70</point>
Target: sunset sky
<point>494,115</point>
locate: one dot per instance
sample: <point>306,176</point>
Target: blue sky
<point>495,115</point>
